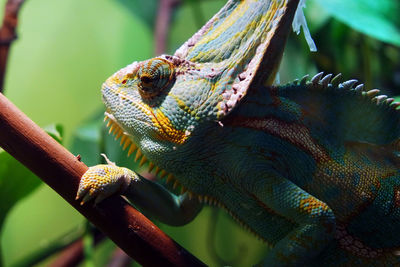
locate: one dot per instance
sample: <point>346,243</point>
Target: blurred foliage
<point>68,48</point>
<point>145,10</point>
<point>16,182</point>
<point>378,19</point>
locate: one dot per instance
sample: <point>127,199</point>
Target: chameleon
<point>311,167</point>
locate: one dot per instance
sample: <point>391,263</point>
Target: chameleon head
<point>164,103</point>
<point>157,103</point>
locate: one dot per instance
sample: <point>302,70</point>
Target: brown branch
<point>7,34</point>
<point>61,170</point>
<point>70,256</point>
<point>162,24</point>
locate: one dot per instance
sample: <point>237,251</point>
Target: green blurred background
<point>66,49</point>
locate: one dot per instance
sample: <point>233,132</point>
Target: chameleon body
<point>311,167</point>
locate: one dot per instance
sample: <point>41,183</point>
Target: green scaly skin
<point>311,167</point>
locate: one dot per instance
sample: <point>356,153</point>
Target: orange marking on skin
<point>167,131</point>
<point>310,204</point>
<point>121,77</point>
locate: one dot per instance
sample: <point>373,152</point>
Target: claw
<point>81,193</point>
<point>87,198</point>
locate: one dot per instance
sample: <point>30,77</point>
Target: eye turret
<point>155,75</point>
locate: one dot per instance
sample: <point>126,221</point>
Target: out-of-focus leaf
<point>87,140</point>
<point>316,17</point>
<point>88,246</point>
<point>378,19</point>
<point>51,247</point>
<point>16,181</point>
<point>56,131</point>
<point>146,10</point>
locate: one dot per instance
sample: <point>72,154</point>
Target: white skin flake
<point>300,21</point>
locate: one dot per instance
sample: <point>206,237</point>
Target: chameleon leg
<point>153,199</point>
<point>102,181</point>
<point>314,219</point>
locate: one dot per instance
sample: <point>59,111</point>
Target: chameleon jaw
<point>126,141</point>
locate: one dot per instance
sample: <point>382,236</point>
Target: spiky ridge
<point>352,113</point>
<point>319,81</point>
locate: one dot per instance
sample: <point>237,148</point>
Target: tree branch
<point>61,170</point>
<point>7,34</point>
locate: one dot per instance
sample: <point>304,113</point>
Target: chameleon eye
<point>154,75</point>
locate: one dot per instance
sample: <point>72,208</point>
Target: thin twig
<point>162,24</point>
<point>8,34</point>
<point>61,170</point>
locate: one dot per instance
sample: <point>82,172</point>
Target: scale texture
<point>311,167</point>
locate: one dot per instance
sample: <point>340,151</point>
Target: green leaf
<point>56,131</point>
<point>88,246</point>
<point>17,181</point>
<point>378,19</point>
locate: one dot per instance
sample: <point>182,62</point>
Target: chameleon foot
<point>102,181</point>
